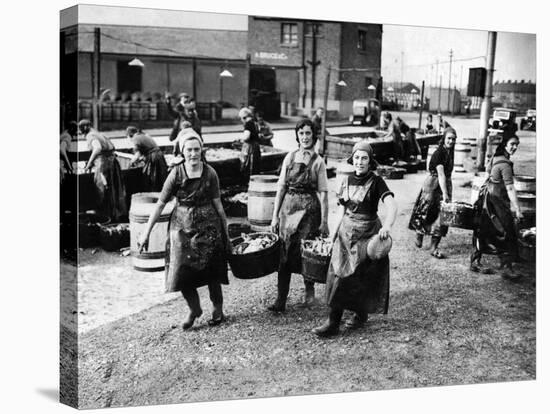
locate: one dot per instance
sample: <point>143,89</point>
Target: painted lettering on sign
<point>270,55</point>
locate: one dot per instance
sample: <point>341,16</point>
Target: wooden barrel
<point>431,150</point>
<point>125,111</point>
<point>261,199</point>
<point>457,214</point>
<point>153,110</point>
<point>343,170</point>
<point>135,111</point>
<point>117,111</point>
<point>143,111</point>
<point>476,185</point>
<point>106,111</point>
<point>85,109</point>
<point>462,151</point>
<point>527,202</point>
<point>472,142</point>
<point>142,205</point>
<point>525,183</point>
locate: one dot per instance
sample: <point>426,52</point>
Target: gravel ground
<point>445,326</point>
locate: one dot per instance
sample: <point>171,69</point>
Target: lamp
<point>136,62</point>
<point>414,91</point>
<point>390,89</point>
<point>371,87</point>
<point>341,82</point>
<point>226,74</point>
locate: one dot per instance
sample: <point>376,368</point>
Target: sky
<point>421,47</point>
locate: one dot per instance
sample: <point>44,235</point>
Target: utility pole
<point>96,76</point>
<point>436,71</point>
<point>439,95</point>
<point>401,85</point>
<point>449,92</point>
<point>313,62</point>
<point>486,104</point>
<point>421,106</point>
<point>322,144</point>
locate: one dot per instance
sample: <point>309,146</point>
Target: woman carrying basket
<point>300,210</point>
<point>494,213</point>
<point>356,280</point>
<point>436,188</point>
<point>198,239</point>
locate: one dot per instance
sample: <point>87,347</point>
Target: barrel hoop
<point>149,269</point>
<point>259,222</point>
<point>262,194</point>
<point>149,255</point>
<point>264,179</point>
<point>141,218</point>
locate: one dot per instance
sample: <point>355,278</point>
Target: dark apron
<point>300,213</point>
<point>110,186</point>
<point>195,253</point>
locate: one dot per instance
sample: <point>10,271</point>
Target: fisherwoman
<point>154,169</point>
<point>108,176</point>
<point>300,210</point>
<point>354,281</point>
<point>250,156</point>
<point>436,188</point>
<point>198,240</point>
<point>494,213</point>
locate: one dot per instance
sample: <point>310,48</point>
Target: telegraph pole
<point>322,144</point>
<point>401,85</point>
<point>449,92</point>
<point>313,62</point>
<point>96,59</point>
<point>439,95</point>
<point>486,104</point>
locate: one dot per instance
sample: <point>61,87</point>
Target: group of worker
<point>198,237</point>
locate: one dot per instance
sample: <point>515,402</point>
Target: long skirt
<point>299,219</point>
<point>250,158</point>
<point>155,170</point>
<point>354,281</point>
<point>195,248</point>
<point>110,188</point>
<point>495,230</point>
<point>425,214</point>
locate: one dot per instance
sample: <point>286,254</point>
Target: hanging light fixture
<point>341,82</point>
<point>371,87</point>
<point>390,89</point>
<point>136,62</point>
<point>226,74</point>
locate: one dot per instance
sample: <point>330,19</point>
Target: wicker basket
<point>114,236</point>
<point>257,264</point>
<point>457,214</point>
<point>314,266</point>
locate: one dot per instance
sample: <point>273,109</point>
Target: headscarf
<point>245,112</point>
<point>185,135</point>
<point>501,148</point>
<point>364,146</point>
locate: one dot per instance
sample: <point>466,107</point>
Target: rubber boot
<point>508,272</point>
<point>309,297</point>
<point>332,325</point>
<point>195,311</point>
<point>283,286</point>
<point>419,240</point>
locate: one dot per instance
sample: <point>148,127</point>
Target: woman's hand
<point>143,242</point>
<point>275,225</point>
<point>446,198</point>
<point>384,233</point>
<point>323,229</point>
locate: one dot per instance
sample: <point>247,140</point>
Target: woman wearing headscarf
<point>354,281</point>
<point>108,176</point>
<point>436,188</point>
<point>394,132</point>
<point>198,240</point>
<point>250,156</point>
<point>300,210</point>
<point>411,149</point>
<point>154,169</point>
<point>494,212</point>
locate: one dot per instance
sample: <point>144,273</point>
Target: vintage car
<point>365,112</point>
<point>530,120</point>
<point>503,121</point>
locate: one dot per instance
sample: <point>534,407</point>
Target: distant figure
<point>64,143</point>
<point>264,130</point>
<point>108,176</point>
<point>250,156</point>
<point>185,110</point>
<point>442,124</point>
<point>155,169</point>
<point>394,132</point>
<point>411,149</point>
<point>429,123</point>
<point>386,121</point>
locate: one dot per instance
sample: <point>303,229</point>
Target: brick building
<point>269,59</point>
<point>520,95</point>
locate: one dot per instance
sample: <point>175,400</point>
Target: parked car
<point>529,122</point>
<point>365,112</point>
<point>503,122</point>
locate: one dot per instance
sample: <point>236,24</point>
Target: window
<point>311,27</point>
<point>362,40</point>
<point>368,81</point>
<point>289,34</point>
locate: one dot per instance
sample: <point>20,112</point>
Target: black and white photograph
<point>266,202</point>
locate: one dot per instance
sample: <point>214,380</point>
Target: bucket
<point>314,266</point>
<point>431,150</point>
<point>261,199</point>
<point>462,151</point>
<point>142,205</point>
<point>343,170</point>
<point>527,202</point>
<point>476,185</point>
<point>525,183</point>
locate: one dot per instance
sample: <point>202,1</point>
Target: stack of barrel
<point>526,189</point>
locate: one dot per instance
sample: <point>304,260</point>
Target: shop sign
<point>270,55</point>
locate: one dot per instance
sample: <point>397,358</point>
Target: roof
<point>515,87</point>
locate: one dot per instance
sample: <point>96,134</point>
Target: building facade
<point>519,95</point>
<point>278,65</point>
